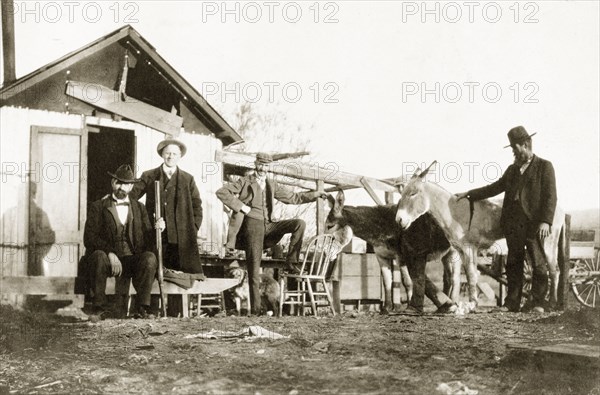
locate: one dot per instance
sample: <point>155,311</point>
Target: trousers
<point>141,268</point>
<point>257,235</point>
<point>521,238</point>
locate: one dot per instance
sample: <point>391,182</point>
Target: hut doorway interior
<point>107,149</point>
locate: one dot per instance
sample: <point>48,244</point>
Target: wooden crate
<point>356,278</point>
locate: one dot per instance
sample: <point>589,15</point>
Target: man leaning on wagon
<point>118,242</point>
<point>529,188</point>
<point>253,196</point>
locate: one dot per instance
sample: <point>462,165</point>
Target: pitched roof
<point>190,96</point>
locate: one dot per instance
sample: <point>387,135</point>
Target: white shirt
<point>123,210</point>
<point>262,182</point>
<point>525,165</point>
<point>169,171</point>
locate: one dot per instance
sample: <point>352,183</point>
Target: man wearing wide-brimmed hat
<point>118,242</point>
<point>529,188</point>
<point>253,196</point>
<point>181,207</point>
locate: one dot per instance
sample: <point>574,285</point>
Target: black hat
<point>124,174</point>
<point>166,142</point>
<point>518,135</point>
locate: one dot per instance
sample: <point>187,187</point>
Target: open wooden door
<point>57,201</point>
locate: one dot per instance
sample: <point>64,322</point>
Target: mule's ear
<point>424,173</point>
<point>416,173</point>
<point>340,198</point>
<point>400,187</point>
<point>330,200</point>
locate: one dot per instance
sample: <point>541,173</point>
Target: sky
<point>378,86</point>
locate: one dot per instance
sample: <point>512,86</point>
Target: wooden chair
<point>307,292</point>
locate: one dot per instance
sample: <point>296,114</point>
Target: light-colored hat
<point>166,142</point>
<point>263,157</point>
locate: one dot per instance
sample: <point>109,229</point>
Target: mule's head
<point>335,220</point>
<point>414,201</point>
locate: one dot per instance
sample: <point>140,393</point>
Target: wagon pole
<point>314,174</point>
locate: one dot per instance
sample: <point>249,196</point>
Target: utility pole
<point>8,41</point>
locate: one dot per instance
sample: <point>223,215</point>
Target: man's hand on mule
<point>543,230</point>
<point>115,264</point>
<point>160,224</point>
<point>461,195</point>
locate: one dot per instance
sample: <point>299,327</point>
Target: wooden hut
<point>66,124</point>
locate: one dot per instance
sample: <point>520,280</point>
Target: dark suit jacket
<point>246,189</point>
<point>101,229</point>
<point>535,189</point>
<point>188,213</point>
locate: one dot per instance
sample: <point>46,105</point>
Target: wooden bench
<point>212,287</point>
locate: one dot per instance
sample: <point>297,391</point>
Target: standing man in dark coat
<point>181,207</point>
<point>529,188</point>
<point>254,196</point>
<point>118,241</point>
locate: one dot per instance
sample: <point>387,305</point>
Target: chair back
<point>317,256</point>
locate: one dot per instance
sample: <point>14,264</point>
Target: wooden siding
<point>17,172</point>
<point>200,162</point>
<point>15,155</point>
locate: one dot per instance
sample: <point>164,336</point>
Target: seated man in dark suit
<point>118,240</point>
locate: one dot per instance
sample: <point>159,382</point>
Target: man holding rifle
<point>118,239</point>
<point>181,207</point>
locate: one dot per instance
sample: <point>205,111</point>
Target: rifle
<point>159,249</point>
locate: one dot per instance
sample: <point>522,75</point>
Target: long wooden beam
<point>367,185</point>
<point>296,183</point>
<point>304,171</point>
<point>138,111</point>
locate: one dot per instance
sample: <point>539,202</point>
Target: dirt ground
<point>352,353</point>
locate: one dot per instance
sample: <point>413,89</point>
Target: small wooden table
<point>215,261</point>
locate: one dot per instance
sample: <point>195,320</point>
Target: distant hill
<point>585,219</point>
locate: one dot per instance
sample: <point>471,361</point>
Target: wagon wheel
<point>527,281</point>
<point>585,280</point>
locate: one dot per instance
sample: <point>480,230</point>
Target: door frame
<point>35,156</point>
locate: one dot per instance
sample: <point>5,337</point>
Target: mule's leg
<point>448,275</point>
<point>452,260</point>
<point>472,274</point>
<point>407,282</point>
<point>385,265</point>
